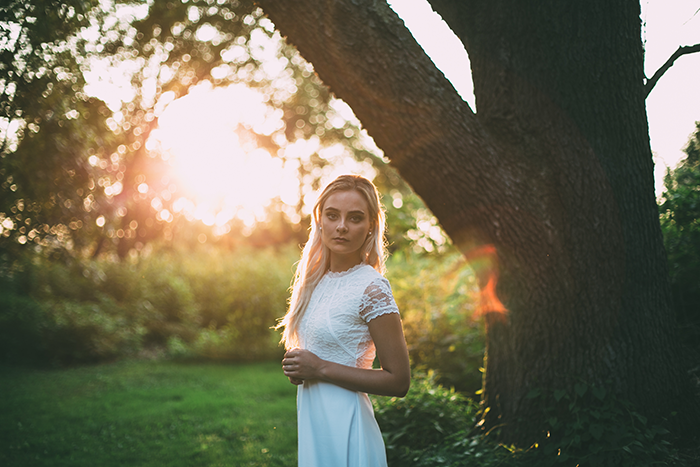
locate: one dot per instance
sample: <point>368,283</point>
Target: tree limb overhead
<point>682,50</point>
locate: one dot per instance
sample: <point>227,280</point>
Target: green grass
<point>148,413</point>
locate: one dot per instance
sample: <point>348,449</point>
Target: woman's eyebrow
<point>331,208</point>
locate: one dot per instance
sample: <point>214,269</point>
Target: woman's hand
<point>295,381</point>
<point>300,364</point>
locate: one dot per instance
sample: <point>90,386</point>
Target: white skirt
<point>337,428</point>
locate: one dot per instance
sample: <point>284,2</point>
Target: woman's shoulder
<point>373,282</point>
<point>371,275</point>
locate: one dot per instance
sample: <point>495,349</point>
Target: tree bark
<point>554,173</point>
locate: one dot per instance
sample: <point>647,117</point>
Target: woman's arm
<point>392,379</point>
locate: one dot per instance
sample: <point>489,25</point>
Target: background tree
<point>49,126</point>
<point>553,174</point>
<point>680,222</point>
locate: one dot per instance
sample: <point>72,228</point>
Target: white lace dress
<point>336,426</point>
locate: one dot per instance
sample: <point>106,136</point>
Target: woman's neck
<point>343,263</point>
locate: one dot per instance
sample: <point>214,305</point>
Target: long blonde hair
<point>315,258</point>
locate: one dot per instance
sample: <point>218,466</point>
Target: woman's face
<point>345,224</point>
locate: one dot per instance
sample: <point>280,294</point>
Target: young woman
<point>341,314</point>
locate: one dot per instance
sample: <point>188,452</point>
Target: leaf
<point>599,392</point>
<point>596,430</point>
<point>580,389</point>
<point>641,418</point>
<point>533,394</point>
<point>553,421</point>
<point>558,394</point>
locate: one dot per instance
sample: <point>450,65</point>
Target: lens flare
<point>484,262</point>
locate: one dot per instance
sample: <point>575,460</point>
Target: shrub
<point>203,303</point>
<point>423,419</point>
<point>592,427</point>
<point>168,304</point>
<point>22,320</point>
<point>79,332</point>
<point>468,449</point>
<point>239,301</point>
<point>437,295</point>
<point>587,428</point>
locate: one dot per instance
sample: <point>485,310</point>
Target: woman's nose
<point>341,225</point>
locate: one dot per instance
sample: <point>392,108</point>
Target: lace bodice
<point>334,326</point>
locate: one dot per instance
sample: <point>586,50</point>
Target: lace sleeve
<point>377,300</point>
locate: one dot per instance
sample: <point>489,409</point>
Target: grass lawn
<point>148,413</point>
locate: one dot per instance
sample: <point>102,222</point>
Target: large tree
<point>550,177</point>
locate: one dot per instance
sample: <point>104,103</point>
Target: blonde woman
<point>341,314</point>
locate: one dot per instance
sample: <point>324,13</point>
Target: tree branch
<point>682,50</point>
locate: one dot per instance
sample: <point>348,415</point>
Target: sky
<point>673,106</point>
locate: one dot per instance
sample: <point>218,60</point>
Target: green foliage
<point>422,419</point>
<point>49,125</point>
<point>89,331</point>
<point>680,223</point>
<point>463,448</point>
<point>148,413</point>
<point>411,227</point>
<point>592,427</point>
<point>437,297</point>
<point>589,427</point>
<point>203,304</point>
<point>22,323</point>
<point>239,300</point>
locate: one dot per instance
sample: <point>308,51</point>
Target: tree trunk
<point>554,172</point>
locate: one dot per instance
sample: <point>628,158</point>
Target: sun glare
<point>218,173</point>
